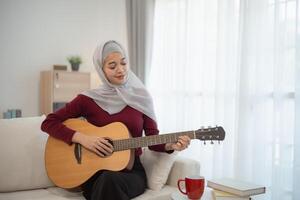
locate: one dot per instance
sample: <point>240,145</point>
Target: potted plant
<point>75,61</point>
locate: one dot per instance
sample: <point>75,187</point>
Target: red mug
<point>194,186</point>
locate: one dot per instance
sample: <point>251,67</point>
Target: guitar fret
<point>115,144</point>
<point>131,143</point>
<point>172,138</point>
<point>153,140</point>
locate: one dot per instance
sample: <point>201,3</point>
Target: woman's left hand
<point>182,143</point>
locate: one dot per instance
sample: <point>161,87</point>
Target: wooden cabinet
<point>60,87</point>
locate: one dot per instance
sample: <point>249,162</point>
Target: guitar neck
<point>131,143</point>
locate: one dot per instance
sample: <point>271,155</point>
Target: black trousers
<point>111,185</point>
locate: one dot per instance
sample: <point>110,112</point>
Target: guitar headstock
<point>210,133</point>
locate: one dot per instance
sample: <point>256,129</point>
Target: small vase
<point>75,66</point>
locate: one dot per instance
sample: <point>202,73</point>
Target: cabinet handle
<point>57,77</point>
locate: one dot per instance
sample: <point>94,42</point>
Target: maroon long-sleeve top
<point>83,106</point>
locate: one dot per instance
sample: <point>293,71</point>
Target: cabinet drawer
<point>68,85</point>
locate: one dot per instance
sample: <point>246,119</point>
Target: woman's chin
<point>119,82</point>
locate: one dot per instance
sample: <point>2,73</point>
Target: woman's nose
<point>121,68</point>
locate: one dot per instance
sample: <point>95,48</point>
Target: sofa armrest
<point>181,168</point>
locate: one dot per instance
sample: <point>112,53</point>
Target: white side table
<point>207,195</point>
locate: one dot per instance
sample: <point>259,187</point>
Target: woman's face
<point>115,68</point>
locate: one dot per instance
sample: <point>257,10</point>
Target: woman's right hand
<point>98,145</point>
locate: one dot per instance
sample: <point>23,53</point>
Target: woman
<point>121,97</point>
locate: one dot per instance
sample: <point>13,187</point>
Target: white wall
<point>35,34</point>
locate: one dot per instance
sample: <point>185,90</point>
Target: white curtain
<point>140,30</point>
<point>230,63</point>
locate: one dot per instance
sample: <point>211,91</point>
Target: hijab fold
<point>114,98</point>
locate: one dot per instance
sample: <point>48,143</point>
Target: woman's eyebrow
<point>111,62</point>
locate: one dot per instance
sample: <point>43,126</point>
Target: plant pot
<point>75,66</point>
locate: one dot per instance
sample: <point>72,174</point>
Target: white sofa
<point>22,169</point>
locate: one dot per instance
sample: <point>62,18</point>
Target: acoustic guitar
<point>68,166</point>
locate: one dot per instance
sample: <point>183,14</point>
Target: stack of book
<point>12,113</point>
<point>231,189</point>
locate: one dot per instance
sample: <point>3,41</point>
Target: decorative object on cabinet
<point>60,67</point>
<point>75,62</point>
<point>59,87</point>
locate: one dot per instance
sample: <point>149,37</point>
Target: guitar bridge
<point>77,152</point>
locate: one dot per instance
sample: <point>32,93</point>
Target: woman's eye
<point>112,66</point>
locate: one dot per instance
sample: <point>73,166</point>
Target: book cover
<point>18,113</point>
<point>237,187</point>
<point>12,113</point>
<point>221,195</point>
<point>7,115</point>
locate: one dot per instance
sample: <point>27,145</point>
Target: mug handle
<point>178,185</point>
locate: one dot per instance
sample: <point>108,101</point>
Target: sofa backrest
<point>22,146</point>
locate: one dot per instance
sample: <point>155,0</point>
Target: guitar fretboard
<point>131,143</point>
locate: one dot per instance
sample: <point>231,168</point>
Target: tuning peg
<point>211,142</point>
<point>204,142</point>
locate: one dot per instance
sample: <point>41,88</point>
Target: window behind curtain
<point>230,63</point>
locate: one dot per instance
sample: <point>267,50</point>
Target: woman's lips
<point>120,77</point>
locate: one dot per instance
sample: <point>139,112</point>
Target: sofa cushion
<point>181,168</point>
<point>157,166</point>
<point>39,194</point>
<point>22,154</point>
<point>55,193</point>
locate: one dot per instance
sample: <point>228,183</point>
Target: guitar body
<point>62,166</point>
<point>69,166</point>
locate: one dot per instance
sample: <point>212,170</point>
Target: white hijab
<point>113,98</point>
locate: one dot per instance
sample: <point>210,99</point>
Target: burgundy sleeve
<point>53,124</point>
<point>150,128</point>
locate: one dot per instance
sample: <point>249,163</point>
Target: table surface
<point>207,195</point>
